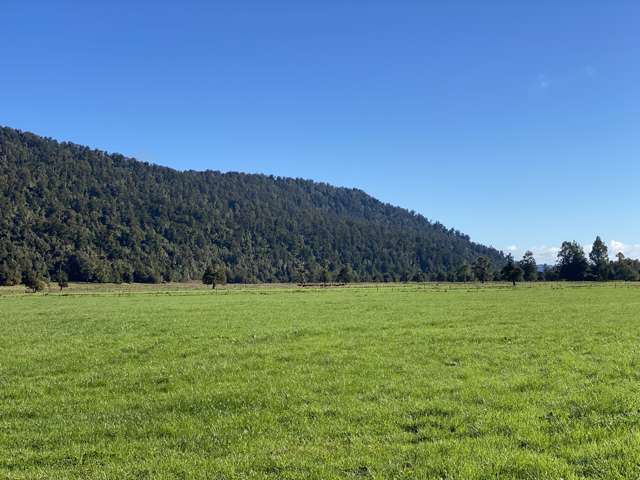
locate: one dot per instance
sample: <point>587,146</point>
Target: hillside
<point>106,218</point>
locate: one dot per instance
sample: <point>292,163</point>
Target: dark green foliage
<point>572,262</point>
<point>214,275</point>
<point>482,269</point>
<point>325,276</point>
<point>9,274</point>
<point>33,282</point>
<point>512,272</point>
<point>550,273</point>
<point>599,257</point>
<point>300,274</point>
<point>104,218</point>
<point>345,275</point>
<point>63,279</point>
<point>625,269</point>
<point>464,274</point>
<point>208,277</point>
<point>419,277</point>
<point>529,267</point>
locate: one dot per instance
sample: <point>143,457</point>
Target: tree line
<point>572,265</point>
<point>70,213</point>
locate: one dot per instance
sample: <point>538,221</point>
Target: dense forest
<point>72,211</point>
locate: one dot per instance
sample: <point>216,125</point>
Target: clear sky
<point>515,122</point>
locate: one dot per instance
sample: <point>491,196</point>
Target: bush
<point>33,282</point>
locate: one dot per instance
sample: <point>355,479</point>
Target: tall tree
<point>482,269</point>
<point>572,262</point>
<point>62,279</point>
<point>600,264</point>
<point>511,272</point>
<point>529,267</point>
<point>464,274</point>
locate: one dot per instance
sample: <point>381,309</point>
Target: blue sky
<point>515,122</point>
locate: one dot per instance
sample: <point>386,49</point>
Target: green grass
<point>403,382</point>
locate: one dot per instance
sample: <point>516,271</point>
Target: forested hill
<point>103,217</point>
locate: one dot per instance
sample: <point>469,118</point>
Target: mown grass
<point>401,382</point>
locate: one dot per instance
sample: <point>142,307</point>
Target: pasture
<point>415,381</point>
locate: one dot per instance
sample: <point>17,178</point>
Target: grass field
<point>409,381</point>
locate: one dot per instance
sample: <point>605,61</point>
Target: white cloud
<point>545,254</point>
<point>629,250</point>
<point>512,248</point>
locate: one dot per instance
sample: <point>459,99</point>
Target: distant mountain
<point>103,217</point>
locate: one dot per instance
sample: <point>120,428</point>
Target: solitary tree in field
<point>572,262</point>
<point>529,267</point>
<point>214,275</point>
<point>63,280</point>
<point>482,269</point>
<point>512,272</point>
<point>599,256</point>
